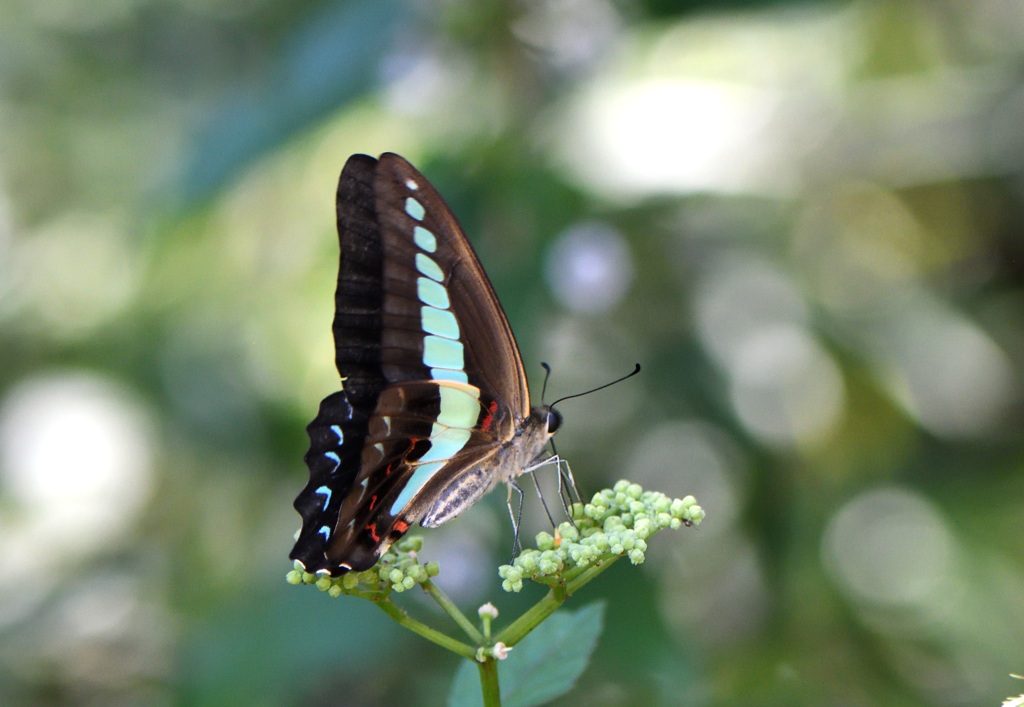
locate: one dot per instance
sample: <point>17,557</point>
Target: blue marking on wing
<point>414,208</point>
<point>326,492</point>
<point>421,476</point>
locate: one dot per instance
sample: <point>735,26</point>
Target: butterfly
<point>434,409</point>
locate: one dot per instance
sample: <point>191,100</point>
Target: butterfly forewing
<point>424,242</point>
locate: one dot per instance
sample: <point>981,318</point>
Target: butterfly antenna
<point>568,492</point>
<point>547,374</point>
<point>592,390</point>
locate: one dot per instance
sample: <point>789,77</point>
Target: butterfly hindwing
<point>413,450</point>
<point>336,439</point>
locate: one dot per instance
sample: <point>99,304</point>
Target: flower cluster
<point>398,570</point>
<point>617,522</point>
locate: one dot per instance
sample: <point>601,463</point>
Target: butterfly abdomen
<point>512,458</point>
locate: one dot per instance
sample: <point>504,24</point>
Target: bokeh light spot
<point>75,458</point>
<point>589,267</point>
<point>888,547</point>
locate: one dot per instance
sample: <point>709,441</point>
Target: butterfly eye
<point>554,420</point>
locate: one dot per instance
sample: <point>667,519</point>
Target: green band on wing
<point>421,476</point>
<point>424,239</point>
<point>459,412</point>
<point>442,353</point>
<point>426,265</point>
<point>431,293</point>
<point>414,208</point>
<point>447,374</point>
<point>440,322</point>
<point>459,408</point>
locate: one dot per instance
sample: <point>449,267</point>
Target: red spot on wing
<point>373,501</point>
<point>371,528</point>
<point>489,418</point>
<point>401,526</point>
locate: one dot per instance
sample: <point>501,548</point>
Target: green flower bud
<point>433,569</point>
<point>527,561</point>
<point>545,541</point>
<point>324,583</point>
<point>512,587</point>
<point>636,557</point>
<point>411,543</point>
<point>644,528</point>
<point>334,592</point>
<point>549,562</point>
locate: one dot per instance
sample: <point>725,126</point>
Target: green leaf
<point>543,666</point>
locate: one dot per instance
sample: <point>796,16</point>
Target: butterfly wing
<point>433,382</point>
<point>430,263</point>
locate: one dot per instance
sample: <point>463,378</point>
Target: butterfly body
<point>434,409</point>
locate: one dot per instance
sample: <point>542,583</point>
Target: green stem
<point>518,629</point>
<point>489,682</point>
<point>419,628</point>
<point>575,582</point>
<point>445,603</point>
<point>576,579</point>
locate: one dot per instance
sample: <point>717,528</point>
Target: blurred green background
<point>806,220</point>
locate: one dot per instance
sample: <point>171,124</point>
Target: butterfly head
<point>552,419</point>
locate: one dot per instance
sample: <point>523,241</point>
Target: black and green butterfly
<point>434,409</point>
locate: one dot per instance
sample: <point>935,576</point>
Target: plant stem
<point>519,628</point>
<point>489,682</point>
<point>575,583</point>
<point>419,628</point>
<point>449,606</point>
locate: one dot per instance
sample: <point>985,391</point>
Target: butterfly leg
<point>567,491</point>
<point>516,516</point>
<point>565,476</point>
<point>543,503</point>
